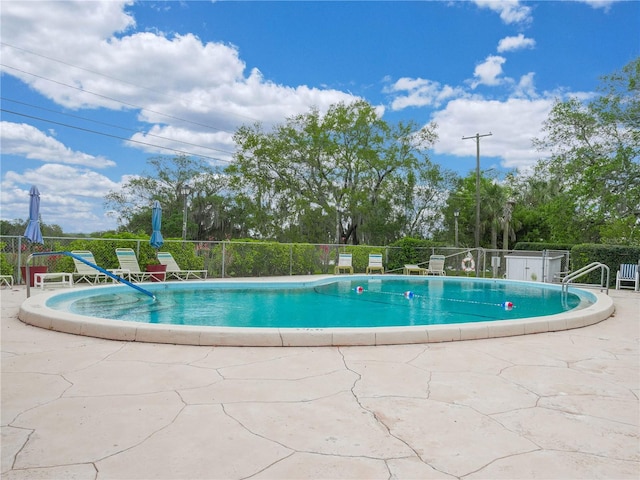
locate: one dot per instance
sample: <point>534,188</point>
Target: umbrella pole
<point>27,272</point>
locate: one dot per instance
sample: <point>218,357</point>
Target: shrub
<point>611,255</point>
<point>409,251</point>
<point>251,258</point>
<point>5,267</point>
<point>104,251</point>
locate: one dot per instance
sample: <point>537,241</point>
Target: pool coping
<point>34,311</point>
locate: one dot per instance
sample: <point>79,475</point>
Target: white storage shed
<point>534,266</point>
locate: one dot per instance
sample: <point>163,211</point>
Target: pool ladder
<point>584,271</point>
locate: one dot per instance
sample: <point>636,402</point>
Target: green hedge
<point>409,251</point>
<point>251,258</point>
<point>104,251</point>
<point>611,255</point>
<point>360,259</point>
<point>5,267</point>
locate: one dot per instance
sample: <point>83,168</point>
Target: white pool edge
<point>34,311</point>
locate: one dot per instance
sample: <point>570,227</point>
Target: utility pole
<point>508,210</point>
<point>456,214</point>
<point>477,137</point>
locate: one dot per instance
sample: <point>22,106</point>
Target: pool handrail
<point>92,265</point>
<point>588,269</point>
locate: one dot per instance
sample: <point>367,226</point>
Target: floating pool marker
<point>507,305</point>
<point>408,294</point>
<point>359,289</point>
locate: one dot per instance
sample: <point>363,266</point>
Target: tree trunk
<point>494,236</point>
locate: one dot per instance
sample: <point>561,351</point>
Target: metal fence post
<point>223,257</point>
<point>19,257</point>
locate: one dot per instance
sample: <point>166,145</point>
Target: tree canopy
<point>349,176</point>
<point>208,209</point>
<point>595,159</point>
<point>348,173</point>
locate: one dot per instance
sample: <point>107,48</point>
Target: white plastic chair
<point>375,263</point>
<point>174,270</point>
<point>628,273</point>
<point>129,264</point>
<point>83,271</point>
<point>344,263</point>
<point>436,265</point>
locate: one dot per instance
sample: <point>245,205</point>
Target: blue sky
<point>185,75</point>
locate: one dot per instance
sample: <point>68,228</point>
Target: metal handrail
<point>77,257</point>
<point>585,270</point>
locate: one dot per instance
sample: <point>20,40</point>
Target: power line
<point>113,136</point>
<point>107,76</point>
<point>133,105</point>
<point>112,125</point>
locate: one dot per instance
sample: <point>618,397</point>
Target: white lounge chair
<point>628,273</point>
<point>344,263</point>
<point>375,263</point>
<point>129,265</point>
<point>436,265</point>
<point>84,272</point>
<point>411,269</point>
<point>174,270</point>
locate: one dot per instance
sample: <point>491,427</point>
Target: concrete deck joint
<point>561,404</point>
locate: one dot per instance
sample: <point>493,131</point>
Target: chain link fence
<point>231,259</point>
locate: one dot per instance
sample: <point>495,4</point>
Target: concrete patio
<point>551,405</point>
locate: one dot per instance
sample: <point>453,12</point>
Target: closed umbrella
<point>33,233</point>
<point>156,240</point>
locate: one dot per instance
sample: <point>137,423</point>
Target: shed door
<point>524,268</point>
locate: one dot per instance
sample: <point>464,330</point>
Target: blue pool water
<point>328,303</point>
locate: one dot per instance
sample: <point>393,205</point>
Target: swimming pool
<point>316,311</point>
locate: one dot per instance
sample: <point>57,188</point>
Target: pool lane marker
<point>371,299</point>
<point>409,295</point>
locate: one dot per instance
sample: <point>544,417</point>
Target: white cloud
<point>511,11</point>
<point>177,80</point>
<point>513,122</point>
<point>604,4</point>
<point>420,93</point>
<point>69,196</point>
<point>185,140</point>
<point>489,72</point>
<point>27,141</point>
<point>183,88</point>
<point>518,42</point>
<point>526,87</point>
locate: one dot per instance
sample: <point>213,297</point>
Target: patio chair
<point>628,273</point>
<point>411,269</point>
<point>344,263</point>
<point>84,272</point>
<point>174,270</point>
<point>436,265</point>
<point>129,265</point>
<point>375,263</point>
